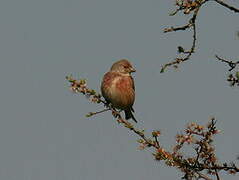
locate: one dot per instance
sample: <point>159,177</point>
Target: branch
<point>230,63</point>
<point>188,7</point>
<point>180,49</point>
<point>203,176</point>
<point>233,79</point>
<point>227,6</point>
<point>80,86</point>
<point>195,135</point>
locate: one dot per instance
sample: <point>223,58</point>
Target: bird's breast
<point>120,92</point>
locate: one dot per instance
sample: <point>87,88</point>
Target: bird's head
<point>122,66</point>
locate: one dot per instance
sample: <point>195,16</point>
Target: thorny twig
<point>227,6</point>
<point>233,79</point>
<point>202,165</point>
<point>187,7</point>
<point>180,49</point>
<point>230,63</point>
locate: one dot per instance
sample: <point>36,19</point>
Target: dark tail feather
<point>129,114</point>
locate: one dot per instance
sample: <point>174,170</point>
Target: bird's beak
<point>132,69</point>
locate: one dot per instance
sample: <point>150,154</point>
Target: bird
<point>118,88</point>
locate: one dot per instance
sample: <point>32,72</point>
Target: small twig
<point>192,49</point>
<point>187,7</point>
<point>198,155</point>
<point>230,63</point>
<point>156,140</point>
<point>227,6</point>
<point>203,176</point>
<point>217,175</point>
<point>98,112</point>
<point>176,11</point>
<point>182,28</point>
<point>225,168</point>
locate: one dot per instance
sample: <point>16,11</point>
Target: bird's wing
<point>132,79</point>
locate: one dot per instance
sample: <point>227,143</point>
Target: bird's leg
<point>115,113</point>
<point>107,104</point>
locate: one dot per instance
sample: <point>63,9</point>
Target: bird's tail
<point>129,114</point>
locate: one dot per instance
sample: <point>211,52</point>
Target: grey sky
<point>44,134</point>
